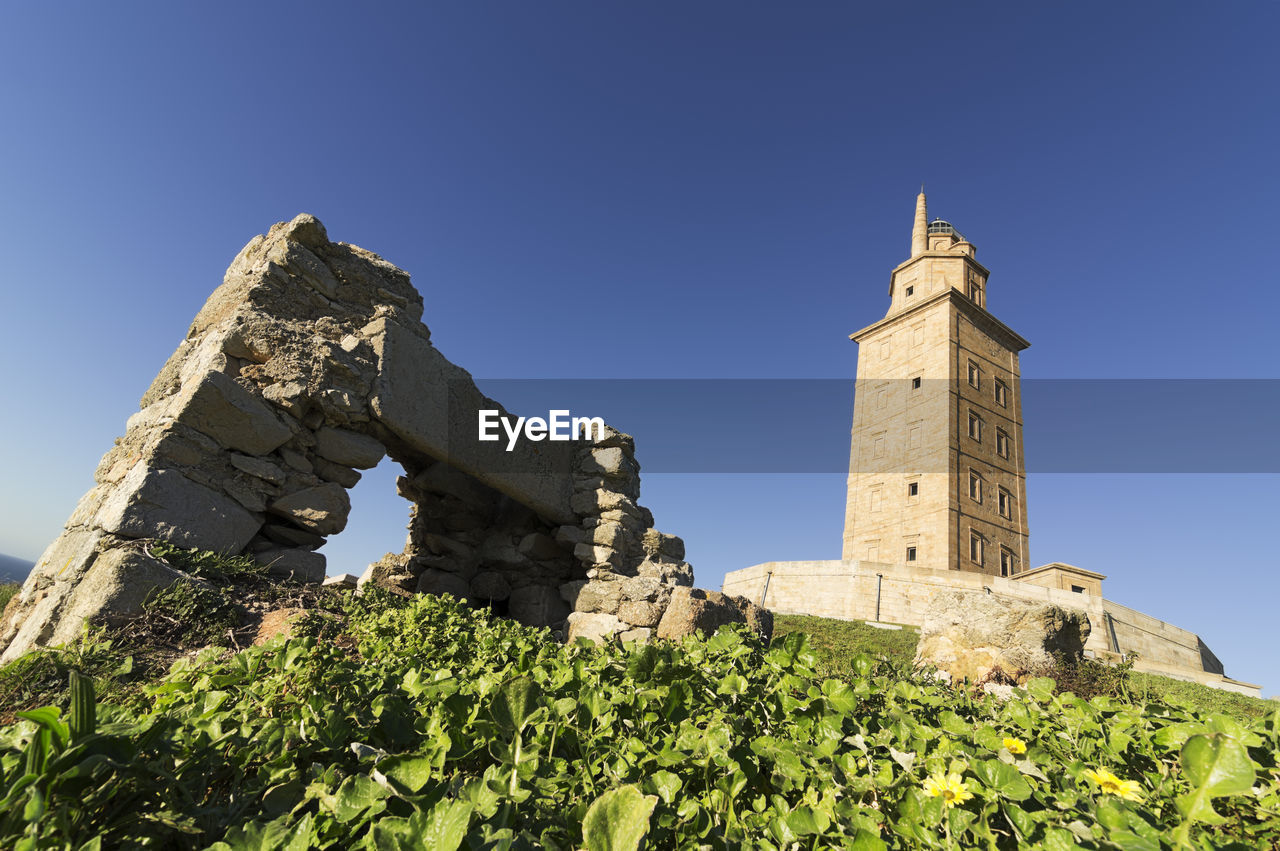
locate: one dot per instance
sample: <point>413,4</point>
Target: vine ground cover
<point>423,724</point>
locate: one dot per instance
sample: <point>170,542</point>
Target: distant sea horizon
<point>13,569</point>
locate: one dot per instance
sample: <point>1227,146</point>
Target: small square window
<point>1079,589</point>
<point>1002,394</point>
<point>975,426</point>
<point>911,291</point>
<point>1006,504</point>
<point>1002,443</point>
<point>911,553</point>
<point>913,488</point>
<point>975,375</point>
<point>975,487</point>
<point>915,383</point>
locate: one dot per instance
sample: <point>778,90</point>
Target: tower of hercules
<point>936,471</point>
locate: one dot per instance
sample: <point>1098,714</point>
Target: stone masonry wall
<point>307,365</point>
<point>848,590</point>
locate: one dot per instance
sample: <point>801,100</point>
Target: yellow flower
<point>950,788</point>
<point>1015,745</point>
<point>1130,790</point>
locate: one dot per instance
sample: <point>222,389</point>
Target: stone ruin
<point>309,364</point>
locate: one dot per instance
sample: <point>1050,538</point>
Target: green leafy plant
<point>423,722</point>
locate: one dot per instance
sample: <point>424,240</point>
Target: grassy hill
<point>406,723</point>
<point>836,642</point>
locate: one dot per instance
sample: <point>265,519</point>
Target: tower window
<point>1006,504</point>
<point>911,291</point>
<point>975,426</point>
<point>1002,393</point>
<point>1002,443</point>
<point>975,486</point>
<point>911,553</point>
<point>975,547</point>
<point>975,375</point>
<point>1006,562</point>
<point>1078,589</point>
<point>915,383</point>
<point>913,488</point>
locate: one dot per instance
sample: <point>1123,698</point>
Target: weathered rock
<point>609,534</point>
<point>569,591</point>
<point>165,504</point>
<point>641,634</point>
<point>597,501</point>
<point>349,448</point>
<point>392,572</point>
<point>537,605</point>
<point>972,636</point>
<point>440,582</point>
<point>342,580</point>
<point>292,536</point>
<point>693,610</point>
<point>259,467</point>
<point>595,555</point>
<point>231,415</point>
<point>657,545</point>
<point>296,460</point>
<point>115,587</point>
<point>539,545</point>
<point>322,509</point>
<point>640,613</point>
<point>608,462</point>
<point>298,565</point>
<point>599,596</point>
<point>336,473</point>
<point>490,586</point>
<point>593,626</point>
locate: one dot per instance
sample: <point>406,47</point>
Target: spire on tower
<point>920,231</point>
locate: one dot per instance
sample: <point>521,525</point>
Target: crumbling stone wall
<point>309,364</point>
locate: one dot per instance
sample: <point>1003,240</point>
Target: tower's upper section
<point>941,259</point>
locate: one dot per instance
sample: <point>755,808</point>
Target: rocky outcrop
<point>693,610</point>
<point>976,637</point>
<point>307,365</point>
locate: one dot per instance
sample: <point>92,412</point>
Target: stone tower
<point>936,471</point>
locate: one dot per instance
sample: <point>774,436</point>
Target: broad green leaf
<point>865,840</point>
<point>1058,839</point>
<point>411,771</point>
<point>839,696</point>
<point>49,718</point>
<point>356,795</point>
<point>618,820</point>
<point>1021,819</point>
<point>514,702</point>
<point>954,724</point>
<point>906,760</point>
<point>445,826</point>
<point>665,784</point>
<point>1216,766</point>
<point>1041,688</point>
<point>803,822</point>
<point>1004,778</point>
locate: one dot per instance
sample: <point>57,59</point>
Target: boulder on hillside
<point>971,636</point>
<point>694,610</point>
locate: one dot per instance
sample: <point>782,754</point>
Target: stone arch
<point>309,363</point>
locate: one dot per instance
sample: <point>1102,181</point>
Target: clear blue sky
<point>657,190</point>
